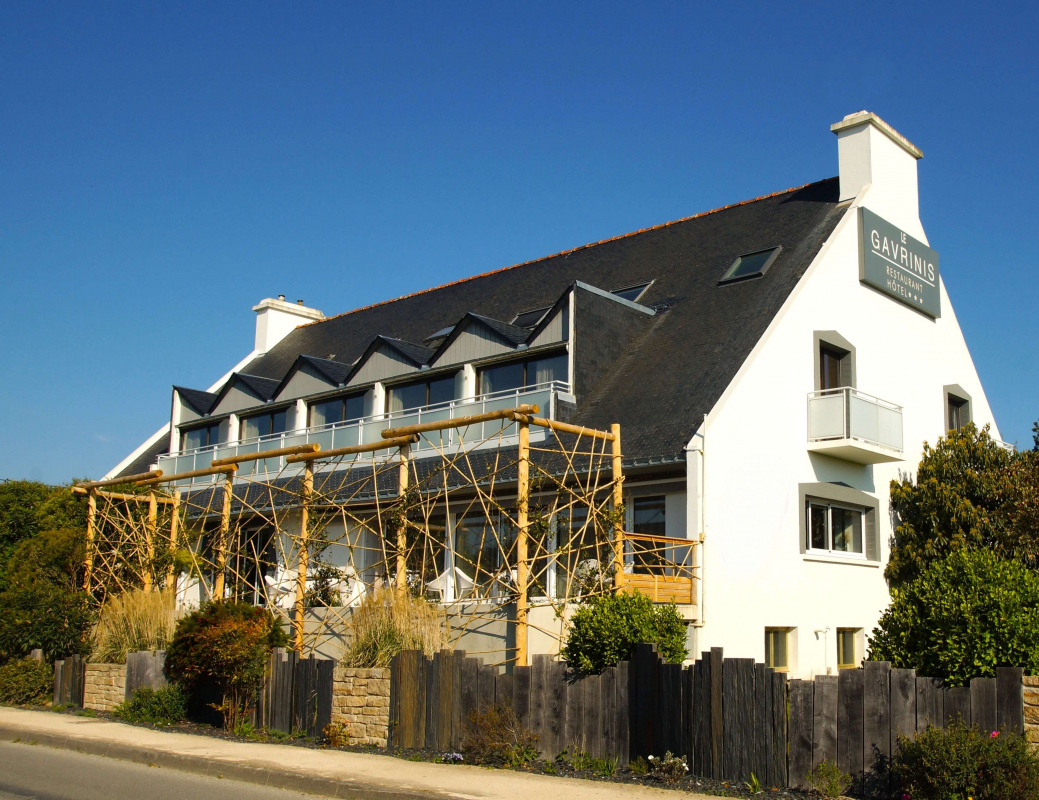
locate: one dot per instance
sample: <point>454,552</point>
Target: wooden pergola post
<point>522,523</point>
<point>401,577</point>
<point>88,556</point>
<point>618,504</point>
<point>303,557</point>
<point>225,528</point>
<point>174,530</point>
<point>147,578</point>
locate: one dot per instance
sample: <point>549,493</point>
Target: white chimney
<point>873,153</point>
<point>275,319</point>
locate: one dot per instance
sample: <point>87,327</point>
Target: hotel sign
<point>898,265</point>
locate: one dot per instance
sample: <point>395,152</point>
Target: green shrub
<point>961,618</point>
<point>46,616</point>
<point>166,705</point>
<point>26,682</point>
<point>607,629</point>
<point>228,644</point>
<point>958,761</point>
<point>669,768</point>
<point>828,779</point>
<point>493,736</point>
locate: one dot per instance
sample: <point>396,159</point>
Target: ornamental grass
<point>132,621</point>
<point>389,621</point>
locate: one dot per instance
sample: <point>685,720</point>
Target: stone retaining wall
<point>104,686</point>
<point>361,703</point>
<point>1031,699</point>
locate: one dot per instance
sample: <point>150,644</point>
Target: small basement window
<point>847,648</point>
<point>777,648</point>
<point>751,265</point>
<point>633,292</point>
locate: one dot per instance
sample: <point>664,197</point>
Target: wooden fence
<point>297,695</point>
<point>855,718</point>
<point>726,716</point>
<point>144,670</point>
<point>69,679</point>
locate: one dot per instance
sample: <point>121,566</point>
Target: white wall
<point>756,453</point>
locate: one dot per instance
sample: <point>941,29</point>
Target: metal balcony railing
<point>368,430</point>
<point>846,413</point>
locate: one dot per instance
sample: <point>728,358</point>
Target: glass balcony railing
<point>369,430</point>
<point>847,416</point>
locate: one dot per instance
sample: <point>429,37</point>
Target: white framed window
<point>834,528</point>
<point>777,649</point>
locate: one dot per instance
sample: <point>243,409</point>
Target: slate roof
<point>263,387</point>
<point>416,353</point>
<point>335,371</point>
<point>199,401</point>
<point>674,373</point>
<point>677,367</point>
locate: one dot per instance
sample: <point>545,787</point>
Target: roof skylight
<point>633,292</point>
<point>751,265</point>
<point>530,319</point>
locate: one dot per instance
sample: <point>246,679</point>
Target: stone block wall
<point>104,686</point>
<point>361,703</point>
<point>1031,699</point>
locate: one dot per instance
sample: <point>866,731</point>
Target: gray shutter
<point>872,538</point>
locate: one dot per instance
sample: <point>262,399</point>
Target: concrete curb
<point>215,768</point>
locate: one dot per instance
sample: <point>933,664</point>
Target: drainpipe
<point>697,449</point>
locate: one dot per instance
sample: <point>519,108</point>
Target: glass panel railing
<point>850,414</point>
<point>369,431</point>
<point>826,416</point>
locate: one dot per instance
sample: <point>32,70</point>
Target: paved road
<point>42,773</point>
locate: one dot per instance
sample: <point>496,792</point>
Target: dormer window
<point>338,409</point>
<point>265,424</point>
<point>201,436</point>
<point>420,394</point>
<point>520,374</point>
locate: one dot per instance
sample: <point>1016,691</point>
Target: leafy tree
<point>607,628</point>
<point>20,503</point>
<point>962,617</point>
<point>963,496</point>
<point>225,644</point>
<point>42,604</point>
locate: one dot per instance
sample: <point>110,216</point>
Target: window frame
<point>855,633</point>
<point>953,392</point>
<point>728,276</point>
<point>269,413</point>
<point>207,426</point>
<point>830,505</point>
<point>343,398</point>
<point>841,495</point>
<point>452,376</point>
<point>771,632</point>
<point>838,345</point>
<point>525,361</point>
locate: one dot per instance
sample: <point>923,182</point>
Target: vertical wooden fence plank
<point>1010,700</point>
<point>876,738</point>
<point>470,688</point>
<point>444,676</point>
<point>903,705</point>
<point>701,761</point>
<point>762,761</point>
<point>608,706</point>
<point>623,711</point>
<point>521,695</point>
<point>643,665</point>
<point>745,691</point>
<point>957,705</point>
<point>824,732</point>
<point>850,725</point>
<point>929,710</point>
<point>730,721</point>
<point>538,692</point>
<point>555,707</point>
<point>429,672</point>
<point>778,769</point>
<point>983,704</point>
<point>457,720</point>
<point>591,730</point>
<point>504,688</point>
<point>717,733</point>
<point>488,678</point>
<point>801,727</point>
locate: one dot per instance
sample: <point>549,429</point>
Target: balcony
<point>369,430</point>
<point>849,424</point>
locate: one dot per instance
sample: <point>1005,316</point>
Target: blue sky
<point>165,166</point>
